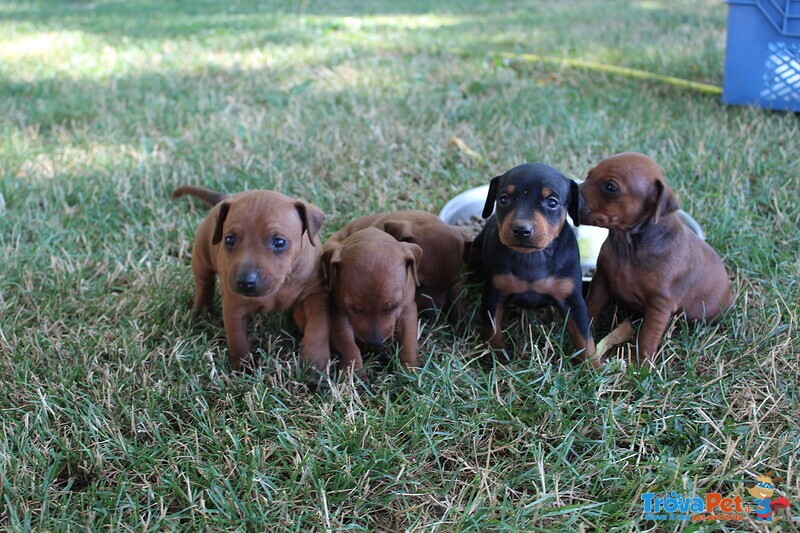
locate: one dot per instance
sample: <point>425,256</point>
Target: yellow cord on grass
<point>614,69</point>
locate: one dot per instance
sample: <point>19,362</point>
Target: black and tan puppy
<point>651,262</point>
<point>265,248</point>
<point>527,254</point>
<point>372,280</point>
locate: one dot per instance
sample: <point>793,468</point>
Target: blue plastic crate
<point>762,59</point>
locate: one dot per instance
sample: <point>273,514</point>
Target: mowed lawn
<point>118,409</point>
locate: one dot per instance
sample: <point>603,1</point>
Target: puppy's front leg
<point>656,319</point>
<point>492,316</point>
<point>203,288</point>
<point>578,329</point>
<point>235,321</point>
<point>344,342</point>
<point>408,327</point>
<point>315,345</point>
<point>599,296</point>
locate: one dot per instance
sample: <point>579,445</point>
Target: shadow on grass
<point>479,29</point>
<point>151,19</point>
<point>642,35</point>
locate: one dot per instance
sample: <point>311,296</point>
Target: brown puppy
<point>265,248</point>
<point>442,254</point>
<point>651,261</point>
<point>372,278</point>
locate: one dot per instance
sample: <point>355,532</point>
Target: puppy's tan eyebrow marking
<point>511,189</point>
<point>546,192</point>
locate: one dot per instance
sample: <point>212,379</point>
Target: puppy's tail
<point>209,196</point>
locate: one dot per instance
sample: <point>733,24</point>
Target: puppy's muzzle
<point>375,340</point>
<point>592,218</point>
<point>375,337</point>
<point>249,283</point>
<point>524,237</point>
<point>522,230</point>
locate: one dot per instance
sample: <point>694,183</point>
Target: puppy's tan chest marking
<point>558,288</point>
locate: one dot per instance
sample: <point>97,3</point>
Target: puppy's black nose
<point>375,338</point>
<point>247,283</point>
<point>522,230</point>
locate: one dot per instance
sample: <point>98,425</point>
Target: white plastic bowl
<point>469,203</point>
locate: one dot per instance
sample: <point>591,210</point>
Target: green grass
<point>117,408</point>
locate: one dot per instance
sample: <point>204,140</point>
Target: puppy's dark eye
<point>279,243</point>
<point>610,187</point>
<point>389,309</point>
<point>551,203</point>
<point>503,199</point>
<point>230,240</point>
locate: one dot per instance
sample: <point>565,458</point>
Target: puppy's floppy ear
<point>488,207</point>
<point>666,202</point>
<point>575,203</point>
<point>222,214</point>
<point>331,259</point>
<point>413,257</point>
<point>312,218</point>
<point>399,229</point>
